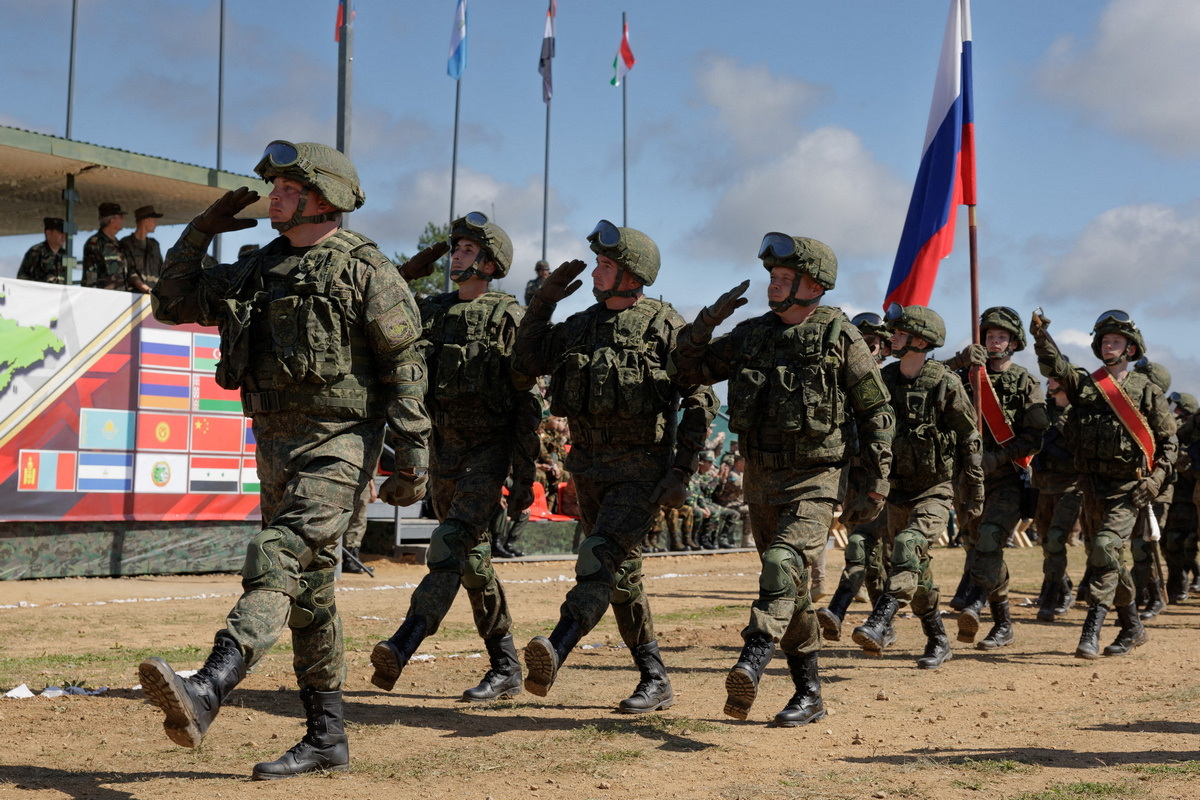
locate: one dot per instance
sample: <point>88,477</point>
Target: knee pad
<point>1056,542</point>
<point>992,538</point>
<point>445,543</point>
<point>479,572</point>
<point>1140,550</point>
<point>781,569</point>
<point>592,564</point>
<point>314,608</point>
<point>857,547</point>
<point>1174,542</point>
<point>1106,551</point>
<point>629,582</point>
<point>906,554</point>
<point>275,558</point>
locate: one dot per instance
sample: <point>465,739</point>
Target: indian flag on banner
<point>206,352</point>
<point>160,473</point>
<point>250,483</point>
<point>214,475</point>
<point>208,396</point>
<point>624,60</point>
<point>165,348</point>
<point>46,471</point>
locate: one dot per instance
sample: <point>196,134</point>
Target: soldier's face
<point>465,253</point>
<point>56,239</point>
<point>1112,346</point>
<point>604,275</point>
<point>997,340</point>
<point>899,339</point>
<point>704,466</point>
<point>285,199</point>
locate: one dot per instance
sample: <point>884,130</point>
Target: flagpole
<point>546,184</point>
<point>624,142</point>
<point>454,162</point>
<point>977,372</point>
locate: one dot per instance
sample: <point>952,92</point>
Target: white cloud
<point>1136,75</point>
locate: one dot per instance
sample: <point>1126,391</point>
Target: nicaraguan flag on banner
<point>458,42</point>
<point>547,57</point>
<point>946,178</point>
<point>105,472</point>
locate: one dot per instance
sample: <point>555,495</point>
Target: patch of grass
<point>1172,770</point>
<point>698,614</point>
<point>1183,694</point>
<point>21,669</point>
<point>991,766</point>
<point>1083,790</point>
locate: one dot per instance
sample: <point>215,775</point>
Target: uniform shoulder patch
<point>394,329</point>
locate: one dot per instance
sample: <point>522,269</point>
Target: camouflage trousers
<point>460,554</point>
<point>1055,518</point>
<point>987,537</point>
<point>1179,542</point>
<point>1109,513</point>
<point>1144,552</point>
<point>288,580</point>
<point>865,563</point>
<point>914,525</point>
<point>615,516</point>
<point>357,529</point>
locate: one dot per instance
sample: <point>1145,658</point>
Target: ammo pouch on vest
<point>923,452</point>
<point>311,335</point>
<point>468,365</point>
<point>235,344</point>
<point>1102,444</point>
<point>614,378</point>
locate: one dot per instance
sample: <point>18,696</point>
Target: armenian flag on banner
<point>250,483</point>
<point>46,471</point>
<point>105,429</point>
<point>208,396</point>
<point>167,390</point>
<point>165,348</point>
<point>105,472</point>
<point>206,352</point>
<point>161,473</point>
<point>214,475</point>
<point>162,431</point>
<point>217,434</point>
<point>249,443</point>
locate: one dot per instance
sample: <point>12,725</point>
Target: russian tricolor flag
<point>946,178</point>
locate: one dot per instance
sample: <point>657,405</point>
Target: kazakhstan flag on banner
<point>106,429</point>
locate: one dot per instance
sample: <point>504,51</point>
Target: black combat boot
<point>191,704</point>
<point>390,655</point>
<point>1194,586</point>
<point>806,705</point>
<point>1001,633</point>
<point>937,644</point>
<point>873,635</point>
<point>1176,591</point>
<point>1066,593</point>
<point>324,747</point>
<point>503,680</point>
<point>1154,601</point>
<point>499,550</point>
<point>1089,638</point>
<point>1082,594</point>
<point>1133,632</point>
<point>354,565</point>
<point>968,618</point>
<point>653,692</point>
<point>741,685</point>
<point>545,656</point>
<point>830,618</point>
<point>1048,600</point>
<point>514,535</point>
<point>959,601</point>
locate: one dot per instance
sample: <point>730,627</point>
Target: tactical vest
<point>1012,387</point>
<point>609,369</point>
<point>924,449</point>
<point>784,394</point>
<point>1102,444</point>
<point>1055,455</point>
<point>469,378</point>
<point>288,343</point>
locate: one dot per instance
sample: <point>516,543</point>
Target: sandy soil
<point>1029,721</point>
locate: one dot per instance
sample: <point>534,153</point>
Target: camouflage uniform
<point>1111,465</point>
<point>701,490</point>
<point>1060,500</point>
<point>43,264</point>
<point>1179,534</point>
<point>732,496</point>
<point>143,259</point>
<point>103,262</point>
<point>796,393</point>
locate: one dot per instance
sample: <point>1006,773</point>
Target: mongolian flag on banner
<point>46,471</point>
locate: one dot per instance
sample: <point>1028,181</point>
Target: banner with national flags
<point>624,60</point>
<point>161,473</point>
<point>546,59</point>
<point>946,176</point>
<point>212,434</point>
<point>168,349</point>
<point>106,429</point>
<point>458,42</point>
<point>46,471</point>
<point>206,352</point>
<point>105,472</point>
<point>162,431</point>
<point>207,395</point>
<point>166,390</point>
<point>214,475</point>
<point>250,484</point>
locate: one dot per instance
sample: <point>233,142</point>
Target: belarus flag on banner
<point>209,396</point>
<point>624,60</point>
<point>163,348</point>
<point>946,178</point>
<point>46,471</point>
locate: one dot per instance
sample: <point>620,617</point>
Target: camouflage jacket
<point>1024,406</point>
<point>103,262</point>
<point>143,259</point>
<point>42,264</point>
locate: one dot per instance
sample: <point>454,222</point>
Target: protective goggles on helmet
<point>1113,315</point>
<point>894,312</point>
<point>607,234</point>
<point>778,245</point>
<point>283,155</point>
<point>867,318</point>
<point>1141,363</point>
<point>476,219</point>
<point>1174,399</point>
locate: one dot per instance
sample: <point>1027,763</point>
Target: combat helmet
<point>1159,375</point>
<point>1006,319</point>
<point>916,321</point>
<point>1184,401</point>
<point>870,324</point>
<point>1117,321</point>
<point>633,251</point>
<point>493,242</point>
<point>804,255</point>
<point>316,166</point>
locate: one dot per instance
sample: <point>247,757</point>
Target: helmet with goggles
<point>1004,318</point>
<point>916,321</point>
<point>1159,375</point>
<point>493,242</point>
<point>1183,401</point>
<point>633,251</point>
<point>869,324</point>
<point>318,167</point>
<point>802,254</point>
<point>1117,321</point>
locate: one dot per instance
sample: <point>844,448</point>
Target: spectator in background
<point>103,259</point>
<point>143,256</point>
<point>44,261</point>
<point>542,269</point>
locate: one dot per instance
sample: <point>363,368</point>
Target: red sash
<point>993,415</point>
<point>1130,417</point>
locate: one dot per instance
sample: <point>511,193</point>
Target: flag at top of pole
<point>547,53</point>
<point>341,20</point>
<point>458,42</point>
<point>946,178</point>
<point>624,60</point>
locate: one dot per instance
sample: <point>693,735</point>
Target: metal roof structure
<point>34,170</point>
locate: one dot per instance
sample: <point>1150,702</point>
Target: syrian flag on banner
<point>544,61</point>
<point>458,42</point>
<point>624,60</point>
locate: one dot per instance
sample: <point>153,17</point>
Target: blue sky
<point>801,116</point>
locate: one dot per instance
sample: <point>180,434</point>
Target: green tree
<point>435,283</point>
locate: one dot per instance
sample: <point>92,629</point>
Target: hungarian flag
<point>547,53</point>
<point>624,60</point>
<point>458,42</point>
<point>946,178</point>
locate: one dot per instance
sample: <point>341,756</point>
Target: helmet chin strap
<point>780,306</point>
<point>298,217</point>
<point>1116,361</point>
<point>604,294</point>
<point>470,271</point>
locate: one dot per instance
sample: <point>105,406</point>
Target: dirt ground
<point>1029,721</point>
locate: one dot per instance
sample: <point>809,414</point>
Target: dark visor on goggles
<point>1115,315</point>
<point>779,245</point>
<point>867,318</point>
<point>281,154</point>
<point>894,312</point>
<point>605,233</point>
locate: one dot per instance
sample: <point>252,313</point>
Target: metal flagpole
<point>624,141</point>
<point>546,184</point>
<point>220,106</point>
<point>454,162</point>
<point>977,376</point>
<point>70,196</point>
<point>345,81</point>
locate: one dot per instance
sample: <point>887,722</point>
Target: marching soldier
<point>1060,500</point>
<point>1179,535</point>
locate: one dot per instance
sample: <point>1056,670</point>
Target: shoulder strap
<point>1135,424</point>
<point>993,417</point>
